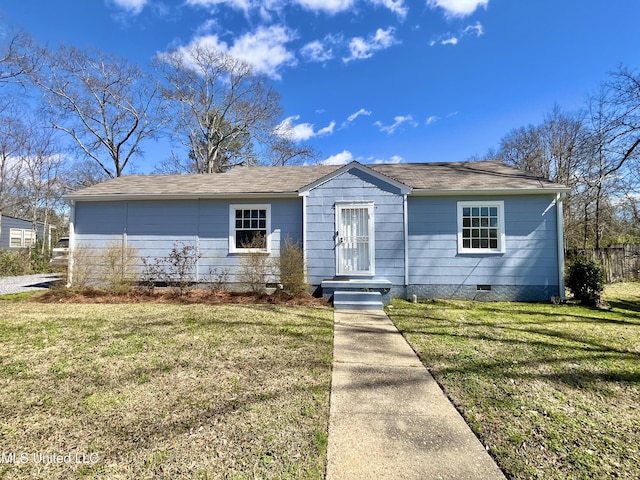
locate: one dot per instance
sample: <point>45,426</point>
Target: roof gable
<point>404,189</point>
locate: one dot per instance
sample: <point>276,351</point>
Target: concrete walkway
<point>389,419</point>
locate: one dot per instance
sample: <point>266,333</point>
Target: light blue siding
<point>153,227</point>
<point>7,223</point>
<point>355,186</point>
<point>530,259</point>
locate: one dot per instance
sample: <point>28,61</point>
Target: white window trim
<point>501,234</point>
<point>232,227</point>
<point>24,234</point>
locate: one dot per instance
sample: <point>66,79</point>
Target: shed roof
<point>253,181</point>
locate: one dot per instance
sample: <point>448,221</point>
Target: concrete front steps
<point>357,294</point>
<point>353,300</point>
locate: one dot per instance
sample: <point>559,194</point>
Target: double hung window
<point>481,227</point>
<point>249,228</point>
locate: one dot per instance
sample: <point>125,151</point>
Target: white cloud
<point>132,6</point>
<point>398,121</point>
<point>301,131</point>
<point>458,8</point>
<point>341,158</point>
<point>476,30</point>
<point>450,39</point>
<point>432,119</point>
<point>329,6</point>
<point>265,49</point>
<point>361,48</point>
<point>353,116</point>
<point>316,51</point>
<point>244,5</point>
<point>392,159</point>
<point>396,6</point>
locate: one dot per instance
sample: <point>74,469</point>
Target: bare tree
<point>12,136</point>
<point>224,114</point>
<point>39,185</point>
<point>107,105</point>
<point>18,56</point>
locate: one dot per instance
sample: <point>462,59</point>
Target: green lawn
<point>163,391</point>
<point>553,391</point>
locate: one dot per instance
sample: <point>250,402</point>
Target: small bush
<point>176,270</point>
<point>180,267</point>
<point>292,268</point>
<point>118,268</point>
<point>255,267</point>
<point>13,263</point>
<point>82,260</point>
<point>585,280</point>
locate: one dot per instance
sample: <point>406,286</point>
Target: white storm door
<point>355,246</point>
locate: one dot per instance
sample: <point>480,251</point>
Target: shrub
<point>585,280</point>
<point>14,263</point>
<point>176,270</point>
<point>82,260</point>
<point>292,268</point>
<point>118,266</point>
<point>255,267</point>
<point>180,267</point>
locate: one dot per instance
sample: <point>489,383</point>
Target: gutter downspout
<point>72,243</point>
<point>406,241</point>
<point>560,235</point>
<point>304,237</point>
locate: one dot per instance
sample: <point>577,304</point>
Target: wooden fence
<point>620,263</point>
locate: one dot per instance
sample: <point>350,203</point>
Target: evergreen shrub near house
<point>585,280</point>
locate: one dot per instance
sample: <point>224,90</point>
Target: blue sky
<point>376,80</point>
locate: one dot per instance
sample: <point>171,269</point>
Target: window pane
<point>238,223</point>
<point>493,211</point>
<point>254,223</point>
<point>263,214</point>
<point>475,233</point>
<point>493,243</point>
<point>466,222</point>
<point>484,243</point>
<point>466,211</point>
<point>246,213</point>
<point>475,222</point>
<point>466,243</point>
<point>262,224</point>
<point>466,233</point>
<point>484,222</point>
<point>238,213</point>
<point>475,211</point>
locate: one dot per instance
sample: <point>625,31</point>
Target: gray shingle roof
<point>455,176</point>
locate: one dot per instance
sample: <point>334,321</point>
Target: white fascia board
<point>495,191</point>
<point>186,196</point>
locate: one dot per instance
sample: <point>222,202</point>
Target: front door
<point>355,247</point>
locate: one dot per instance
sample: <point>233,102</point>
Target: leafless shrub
<point>118,268</point>
<point>292,268</point>
<point>256,267</point>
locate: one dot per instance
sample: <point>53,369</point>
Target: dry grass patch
<point>164,391</point>
<point>553,391</point>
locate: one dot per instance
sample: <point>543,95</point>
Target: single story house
<point>18,233</point>
<point>469,230</point>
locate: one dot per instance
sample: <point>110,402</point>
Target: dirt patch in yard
<point>94,295</point>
